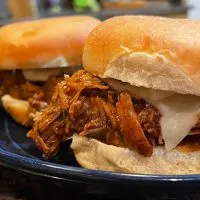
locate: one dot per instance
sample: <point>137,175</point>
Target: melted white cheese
<point>179,115</point>
<point>40,74</point>
<point>60,61</point>
<point>44,74</point>
<point>179,111</point>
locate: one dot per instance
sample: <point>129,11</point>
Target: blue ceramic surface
<point>20,153</point>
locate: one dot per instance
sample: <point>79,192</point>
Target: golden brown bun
<point>153,52</point>
<point>92,154</point>
<point>32,44</point>
<point>18,109</point>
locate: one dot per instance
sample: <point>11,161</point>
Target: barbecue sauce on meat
<point>14,84</point>
<point>82,104</point>
<point>37,94</point>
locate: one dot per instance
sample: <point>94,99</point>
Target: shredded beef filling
<point>82,104</point>
<point>37,94</point>
<point>130,126</point>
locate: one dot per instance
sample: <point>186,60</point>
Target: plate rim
<point>74,173</point>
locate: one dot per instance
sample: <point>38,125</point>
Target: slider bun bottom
<point>18,109</point>
<point>92,154</point>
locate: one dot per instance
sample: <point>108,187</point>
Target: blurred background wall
<point>194,13</point>
<point>22,9</point>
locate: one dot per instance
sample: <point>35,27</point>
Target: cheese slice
<point>148,94</point>
<point>178,116</point>
<point>178,111</point>
<point>40,74</point>
<point>44,74</point>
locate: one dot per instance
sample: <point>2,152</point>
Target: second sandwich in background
<point>33,56</point>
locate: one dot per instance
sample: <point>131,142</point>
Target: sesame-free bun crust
<point>152,52</point>
<point>33,44</point>
<point>92,154</point>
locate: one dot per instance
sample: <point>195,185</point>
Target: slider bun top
<point>32,44</point>
<point>152,52</point>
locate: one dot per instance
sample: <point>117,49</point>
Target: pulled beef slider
<point>27,48</point>
<point>155,60</point>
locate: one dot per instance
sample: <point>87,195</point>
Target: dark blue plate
<point>20,153</point>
